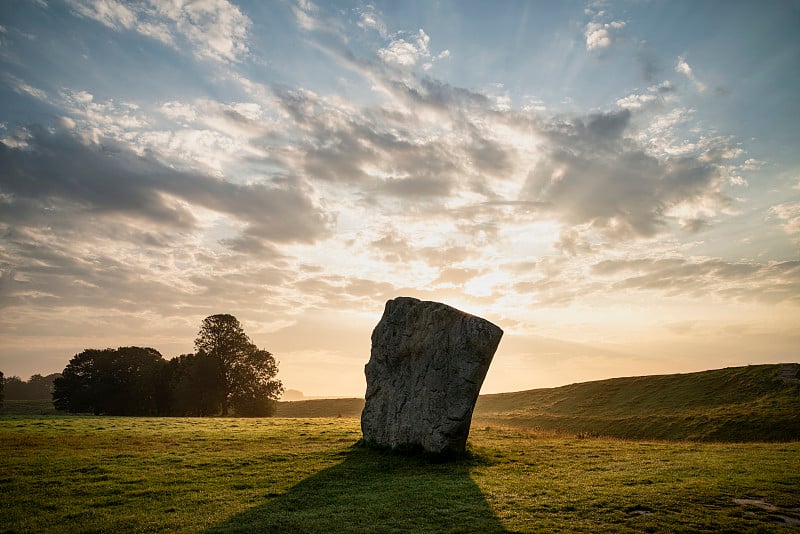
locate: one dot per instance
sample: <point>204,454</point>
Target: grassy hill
<point>753,403</point>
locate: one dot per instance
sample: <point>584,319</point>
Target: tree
<point>2,384</point>
<point>121,381</point>
<point>249,372</point>
<point>41,387</point>
<point>196,385</point>
<point>15,388</point>
<point>254,392</point>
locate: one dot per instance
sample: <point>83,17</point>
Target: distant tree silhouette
<point>2,386</point>
<point>15,386</point>
<point>37,387</point>
<point>123,381</point>
<point>249,372</point>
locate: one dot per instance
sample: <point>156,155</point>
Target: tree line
<point>37,387</point>
<point>227,375</point>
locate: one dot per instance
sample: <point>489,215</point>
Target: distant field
<point>28,407</point>
<point>321,408</point>
<point>117,474</point>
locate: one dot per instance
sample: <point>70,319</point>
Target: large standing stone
<point>425,371</point>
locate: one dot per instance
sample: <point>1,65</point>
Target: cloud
<point>101,118</point>
<point>385,154</point>
<point>765,282</point>
<point>394,247</point>
<point>591,174</point>
<point>636,101</point>
<point>790,213</point>
<point>600,35</point>
<point>56,173</point>
<point>111,238</point>
<point>22,88</point>
<point>682,67</point>
<point>111,13</point>
<point>432,174</point>
<point>620,178</point>
<point>416,187</point>
<point>656,95</point>
<point>215,29</point>
<point>369,18</point>
<point>405,50</point>
<point>404,53</point>
<point>571,242</point>
<point>304,13</point>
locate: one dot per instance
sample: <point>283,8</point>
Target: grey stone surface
<point>425,371</point>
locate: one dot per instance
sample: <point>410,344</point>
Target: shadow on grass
<point>372,491</point>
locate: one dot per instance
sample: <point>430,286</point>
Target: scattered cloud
<point>448,162</point>
<point>22,88</point>
<point>215,29</point>
<point>58,177</point>
<point>752,164</point>
<point>771,282</point>
<point>593,174</point>
<point>636,101</point>
<point>601,31</point>
<point>600,35</point>
<point>407,52</point>
<point>790,213</point>
<point>305,14</point>
<point>682,67</point>
<point>370,18</point>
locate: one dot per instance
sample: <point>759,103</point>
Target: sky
<point>614,184</point>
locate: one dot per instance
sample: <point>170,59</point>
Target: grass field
<point>109,474</point>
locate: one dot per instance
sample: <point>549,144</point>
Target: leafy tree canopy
<point>249,372</point>
<point>121,381</point>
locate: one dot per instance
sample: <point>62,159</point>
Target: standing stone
<point>425,371</point>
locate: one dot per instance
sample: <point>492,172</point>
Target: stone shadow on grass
<point>375,491</point>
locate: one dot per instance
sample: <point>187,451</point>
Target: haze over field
<point>615,184</point>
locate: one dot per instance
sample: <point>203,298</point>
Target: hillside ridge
<point>750,403</point>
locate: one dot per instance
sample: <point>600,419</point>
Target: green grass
<point>109,474</point>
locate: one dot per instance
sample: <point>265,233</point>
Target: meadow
<point>119,474</point>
